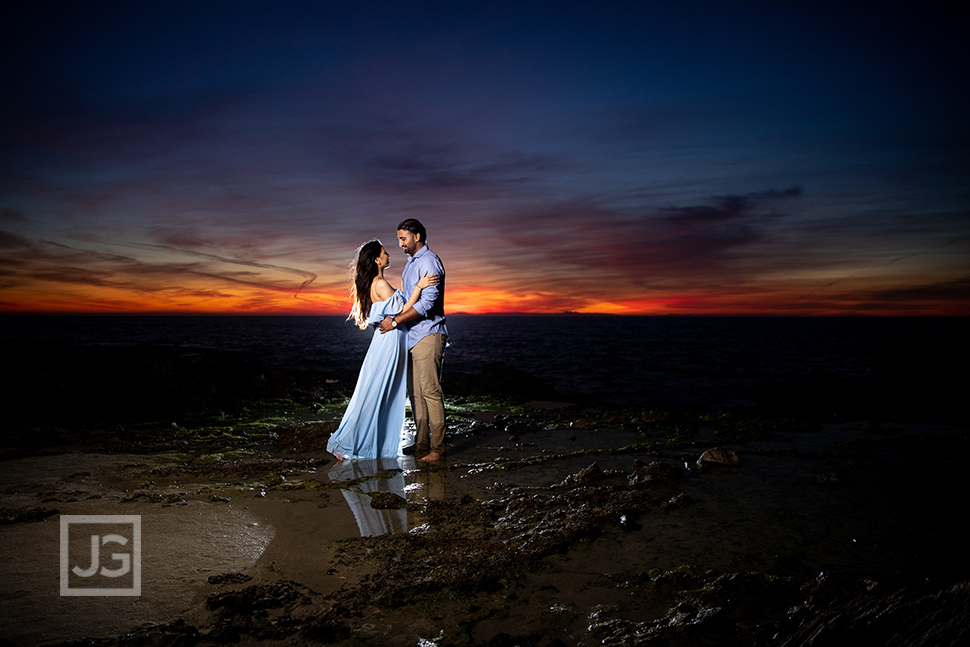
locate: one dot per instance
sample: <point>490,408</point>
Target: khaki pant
<point>424,387</point>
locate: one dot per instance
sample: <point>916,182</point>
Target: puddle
<point>364,472</point>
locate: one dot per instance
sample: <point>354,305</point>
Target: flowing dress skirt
<point>371,426</point>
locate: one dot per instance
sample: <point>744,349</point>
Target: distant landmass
<point>534,314</point>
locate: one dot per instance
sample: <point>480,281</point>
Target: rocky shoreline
<point>552,522</point>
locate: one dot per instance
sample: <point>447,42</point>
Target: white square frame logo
<point>130,561</point>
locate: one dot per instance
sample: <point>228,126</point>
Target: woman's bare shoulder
<point>381,289</point>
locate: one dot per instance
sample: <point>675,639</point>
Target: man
<point>427,337</point>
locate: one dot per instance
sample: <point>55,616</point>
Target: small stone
<point>718,456</point>
<point>627,523</point>
<point>387,501</point>
<point>656,474</point>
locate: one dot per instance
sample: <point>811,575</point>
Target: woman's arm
<point>424,282</point>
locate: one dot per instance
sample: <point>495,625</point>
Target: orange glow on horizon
<point>475,300</point>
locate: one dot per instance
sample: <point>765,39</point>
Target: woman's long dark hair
<point>362,272</point>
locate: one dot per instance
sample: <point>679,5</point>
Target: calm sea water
<point>656,360</point>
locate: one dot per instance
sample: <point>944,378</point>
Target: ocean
<point>653,361</point>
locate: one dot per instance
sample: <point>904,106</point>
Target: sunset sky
<point>617,157</point>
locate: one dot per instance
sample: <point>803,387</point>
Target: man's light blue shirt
<point>431,303</point>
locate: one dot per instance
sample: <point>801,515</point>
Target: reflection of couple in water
<point>398,476</point>
<point>404,357</point>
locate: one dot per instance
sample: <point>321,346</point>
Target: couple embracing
<point>404,357</point>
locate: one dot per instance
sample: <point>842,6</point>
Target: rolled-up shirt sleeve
<point>431,265</point>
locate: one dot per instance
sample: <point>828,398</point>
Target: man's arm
<point>408,315</point>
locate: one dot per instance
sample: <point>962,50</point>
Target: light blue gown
<point>371,426</point>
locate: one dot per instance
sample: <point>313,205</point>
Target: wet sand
<point>546,525</point>
<point>552,521</point>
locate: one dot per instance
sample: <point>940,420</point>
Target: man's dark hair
<point>415,227</point>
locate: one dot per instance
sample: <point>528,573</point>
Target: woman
<point>371,426</point>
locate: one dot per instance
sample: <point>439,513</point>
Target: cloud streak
<point>153,282</point>
<point>308,277</point>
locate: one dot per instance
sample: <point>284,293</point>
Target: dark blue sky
<point>803,157</point>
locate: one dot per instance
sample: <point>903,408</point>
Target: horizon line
<point>169,313</point>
